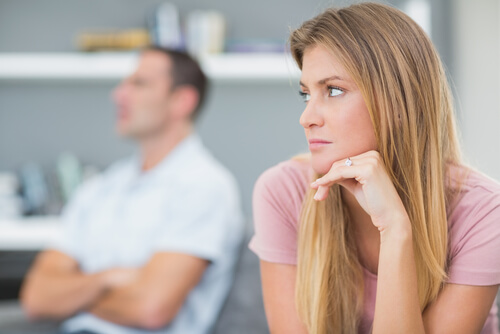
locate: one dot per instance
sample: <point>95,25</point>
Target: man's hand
<point>55,287</point>
<point>155,293</point>
<point>119,277</point>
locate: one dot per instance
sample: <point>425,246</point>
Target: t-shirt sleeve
<point>277,199</point>
<point>475,243</point>
<point>69,240</point>
<point>205,222</point>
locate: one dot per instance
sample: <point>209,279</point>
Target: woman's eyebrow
<point>334,77</point>
<point>323,81</point>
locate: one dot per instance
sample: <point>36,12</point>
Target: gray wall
<point>248,126</point>
<point>477,76</point>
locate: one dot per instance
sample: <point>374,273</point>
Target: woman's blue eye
<point>305,96</point>
<point>334,91</point>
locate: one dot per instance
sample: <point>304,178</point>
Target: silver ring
<point>348,162</point>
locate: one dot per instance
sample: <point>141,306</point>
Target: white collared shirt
<point>188,203</point>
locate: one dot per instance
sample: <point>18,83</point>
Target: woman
<point>382,228</point>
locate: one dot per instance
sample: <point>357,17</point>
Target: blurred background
<point>60,60</point>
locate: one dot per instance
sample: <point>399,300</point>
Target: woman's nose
<point>311,115</point>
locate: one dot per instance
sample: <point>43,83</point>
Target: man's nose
<point>119,93</point>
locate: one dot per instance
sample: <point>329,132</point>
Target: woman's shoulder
<point>474,231</point>
<point>282,188</point>
<point>277,201</point>
<point>293,175</point>
<point>478,193</point>
<point>476,208</point>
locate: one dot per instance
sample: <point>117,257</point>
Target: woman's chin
<point>321,165</point>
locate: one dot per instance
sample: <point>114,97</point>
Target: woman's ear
<point>185,101</point>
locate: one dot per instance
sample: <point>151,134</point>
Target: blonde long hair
<point>404,86</point>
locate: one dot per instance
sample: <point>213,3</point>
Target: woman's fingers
<point>345,175</point>
<point>350,185</point>
<point>349,175</point>
<point>338,173</point>
<point>349,172</point>
<point>322,193</point>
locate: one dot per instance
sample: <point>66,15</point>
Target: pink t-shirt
<point>473,225</point>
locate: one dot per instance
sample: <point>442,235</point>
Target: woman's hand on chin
<point>367,179</point>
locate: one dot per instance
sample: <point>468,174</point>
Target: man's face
<point>143,99</point>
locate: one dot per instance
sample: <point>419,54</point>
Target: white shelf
<point>239,67</point>
<point>34,233</point>
<point>248,67</point>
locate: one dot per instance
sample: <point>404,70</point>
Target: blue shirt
<point>188,203</point>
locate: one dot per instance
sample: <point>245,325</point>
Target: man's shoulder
<point>115,171</point>
<point>204,167</point>
<point>120,166</point>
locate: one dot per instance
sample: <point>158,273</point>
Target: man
<point>150,245</point>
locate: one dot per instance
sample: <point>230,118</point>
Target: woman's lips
<point>315,144</point>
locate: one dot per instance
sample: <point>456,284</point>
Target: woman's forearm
<point>397,307</point>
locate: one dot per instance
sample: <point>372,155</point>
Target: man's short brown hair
<point>185,71</point>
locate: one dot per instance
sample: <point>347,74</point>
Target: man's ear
<point>185,101</point>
